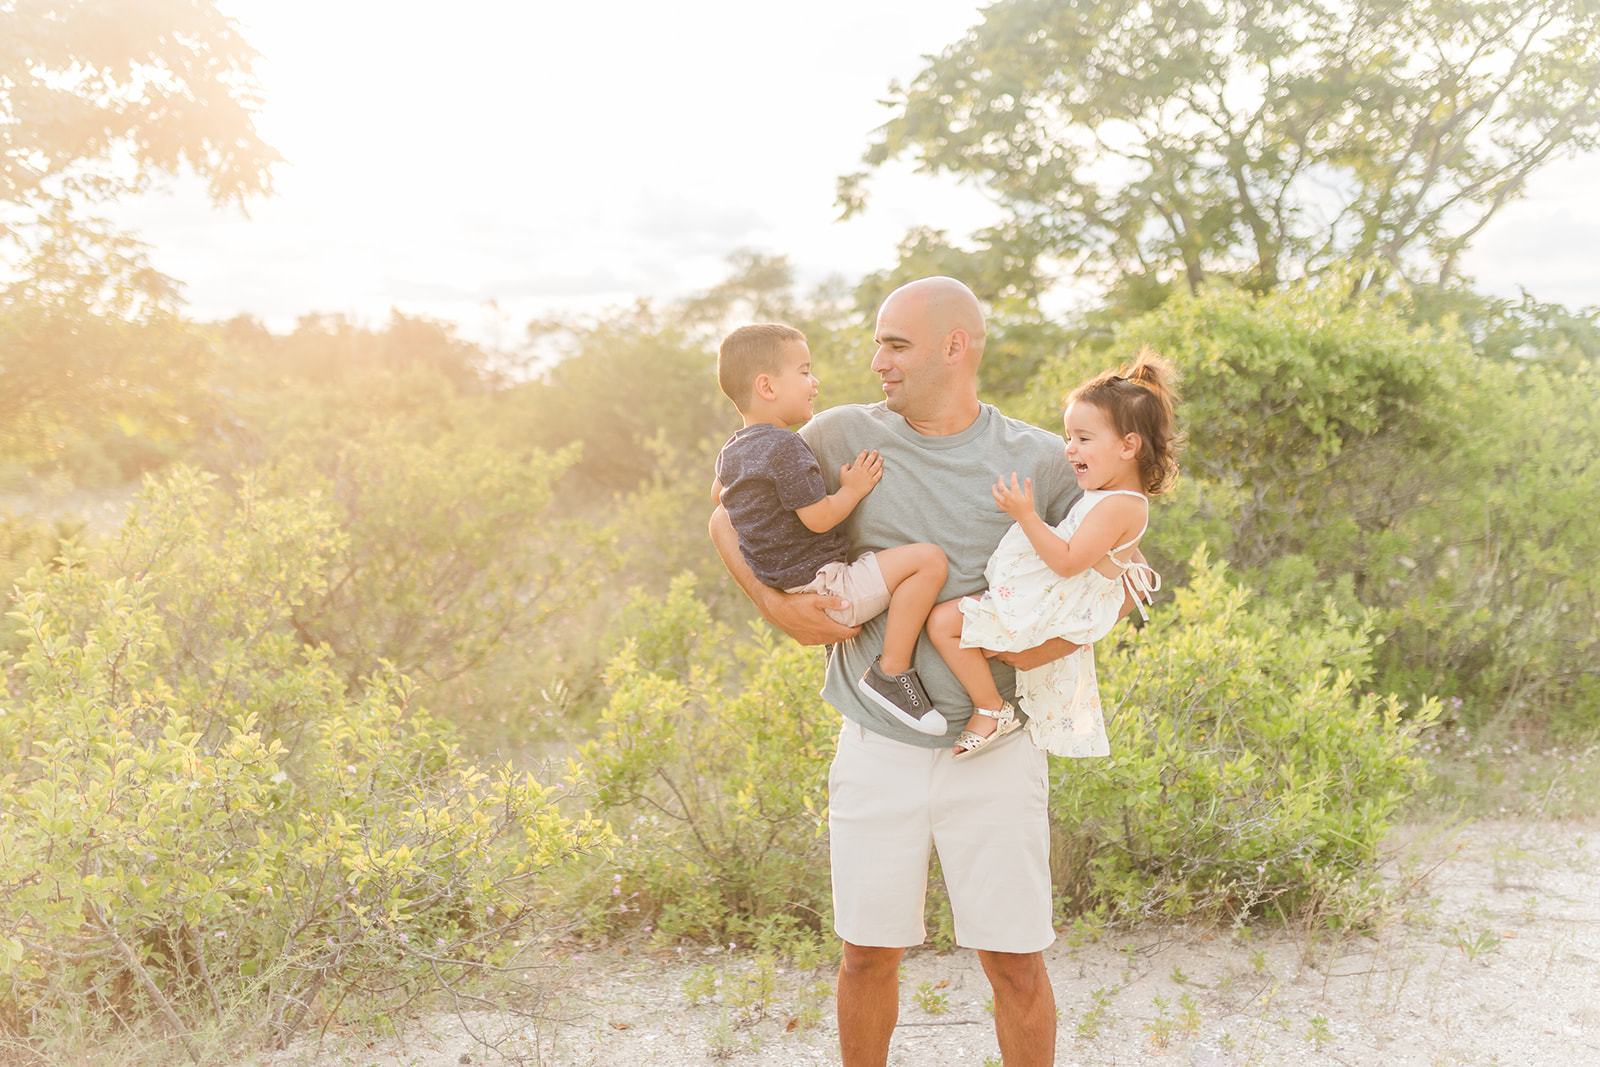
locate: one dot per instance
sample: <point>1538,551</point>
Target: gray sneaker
<point>902,696</point>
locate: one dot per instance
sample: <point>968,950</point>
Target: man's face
<point>909,357</point>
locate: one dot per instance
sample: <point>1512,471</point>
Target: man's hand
<point>1037,656</point>
<point>803,617</point>
<point>800,615</point>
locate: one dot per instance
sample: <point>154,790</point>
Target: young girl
<point>1068,582</point>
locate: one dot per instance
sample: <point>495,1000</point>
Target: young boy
<point>772,489</point>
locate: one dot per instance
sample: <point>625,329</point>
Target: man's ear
<point>955,345</point>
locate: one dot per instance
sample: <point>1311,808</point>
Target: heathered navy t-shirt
<point>767,472</point>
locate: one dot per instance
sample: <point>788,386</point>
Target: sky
<point>488,162</point>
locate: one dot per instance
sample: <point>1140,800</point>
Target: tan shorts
<point>987,816</point>
<point>860,582</point>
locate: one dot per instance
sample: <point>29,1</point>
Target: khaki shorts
<point>988,817</point>
<point>860,582</point>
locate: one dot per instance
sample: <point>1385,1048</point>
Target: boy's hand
<point>1015,500</point>
<point>861,476</point>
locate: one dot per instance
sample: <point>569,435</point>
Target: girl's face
<point>1100,458</point>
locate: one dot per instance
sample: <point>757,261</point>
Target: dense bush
<point>1248,764</point>
<point>1313,422</point>
<point>203,828</point>
<point>1337,450</point>
<point>450,550</point>
<point>1496,600</point>
<point>711,765</point>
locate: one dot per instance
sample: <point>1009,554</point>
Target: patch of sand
<point>1492,957</point>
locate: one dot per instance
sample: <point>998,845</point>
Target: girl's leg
<point>914,575</point>
<point>969,665</point>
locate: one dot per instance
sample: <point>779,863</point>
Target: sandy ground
<point>1490,956</point>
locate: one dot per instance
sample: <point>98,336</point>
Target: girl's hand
<point>861,476</point>
<point>1015,500</point>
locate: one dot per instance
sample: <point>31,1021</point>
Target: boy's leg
<point>914,575</point>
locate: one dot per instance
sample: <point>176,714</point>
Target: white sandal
<point>971,744</point>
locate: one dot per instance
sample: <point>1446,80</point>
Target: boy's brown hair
<point>748,352</point>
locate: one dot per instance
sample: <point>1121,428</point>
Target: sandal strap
<point>968,741</point>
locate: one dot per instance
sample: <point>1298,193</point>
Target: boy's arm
<point>856,480</point>
<point>800,615</point>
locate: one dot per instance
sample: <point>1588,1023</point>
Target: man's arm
<point>800,615</point>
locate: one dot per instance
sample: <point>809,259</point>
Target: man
<point>893,791</point>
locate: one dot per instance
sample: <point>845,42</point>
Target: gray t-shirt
<point>934,489</point>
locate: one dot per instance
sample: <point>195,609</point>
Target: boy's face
<point>793,385</point>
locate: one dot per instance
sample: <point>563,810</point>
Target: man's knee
<point>866,961</point>
<point>1020,974</point>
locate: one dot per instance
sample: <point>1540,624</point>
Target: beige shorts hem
<point>860,582</point>
<point>891,805</point>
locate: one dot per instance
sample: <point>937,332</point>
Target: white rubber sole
<point>932,723</point>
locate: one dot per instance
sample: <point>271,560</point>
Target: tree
<point>99,375</point>
<point>98,96</point>
<point>1264,139</point>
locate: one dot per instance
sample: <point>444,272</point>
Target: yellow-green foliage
<point>1337,449</point>
<point>200,824</point>
<point>712,764</point>
<point>1247,761</point>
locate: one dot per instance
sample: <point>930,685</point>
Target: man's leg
<point>1024,1008</point>
<point>879,844</point>
<point>868,1003</point>
<point>992,829</point>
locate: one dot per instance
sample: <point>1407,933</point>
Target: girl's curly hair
<point>1140,399</point>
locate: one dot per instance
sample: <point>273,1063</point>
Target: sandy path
<point>1494,958</point>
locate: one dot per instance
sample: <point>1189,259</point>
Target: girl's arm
<point>1112,522</point>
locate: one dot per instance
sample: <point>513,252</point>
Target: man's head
<point>750,352</point>
<point>930,338</point>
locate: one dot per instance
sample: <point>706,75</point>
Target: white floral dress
<point>1027,603</point>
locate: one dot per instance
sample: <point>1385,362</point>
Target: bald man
<point>894,792</point>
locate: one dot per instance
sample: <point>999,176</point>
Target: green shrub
<point>203,829</point>
<point>1314,423</point>
<point>1498,601</point>
<point>712,765</point>
<point>1338,450</point>
<point>1249,766</point>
